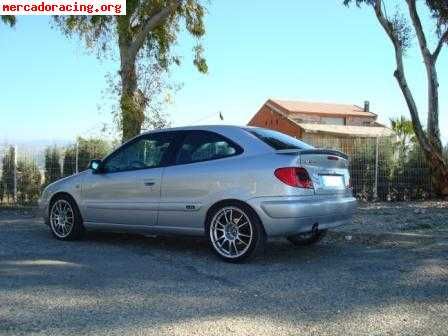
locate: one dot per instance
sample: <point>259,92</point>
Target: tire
<point>308,238</point>
<point>234,232</point>
<point>65,219</point>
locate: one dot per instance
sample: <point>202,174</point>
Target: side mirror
<point>96,166</point>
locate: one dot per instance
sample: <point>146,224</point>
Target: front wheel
<point>65,219</point>
<point>235,232</point>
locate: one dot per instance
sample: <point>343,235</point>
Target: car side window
<point>146,152</point>
<point>203,146</point>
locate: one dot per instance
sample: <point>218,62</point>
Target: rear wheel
<point>235,232</point>
<point>307,238</point>
<point>65,219</point>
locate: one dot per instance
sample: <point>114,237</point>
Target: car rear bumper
<point>292,215</point>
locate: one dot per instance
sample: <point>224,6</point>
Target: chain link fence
<point>24,173</point>
<point>380,169</point>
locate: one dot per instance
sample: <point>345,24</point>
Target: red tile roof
<point>292,107</point>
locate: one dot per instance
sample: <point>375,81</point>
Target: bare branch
<point>152,22</point>
<point>427,57</point>
<point>443,39</point>
<point>385,23</point>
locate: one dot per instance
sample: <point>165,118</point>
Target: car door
<point>202,166</point>
<point>126,191</point>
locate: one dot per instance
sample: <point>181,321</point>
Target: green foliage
<point>69,163</point>
<point>10,20</point>
<point>88,149</point>
<point>156,120</point>
<point>52,165</point>
<point>28,179</point>
<point>401,176</point>
<point>104,32</point>
<point>404,130</point>
<point>439,11</point>
<point>145,37</point>
<point>28,182</point>
<point>7,180</point>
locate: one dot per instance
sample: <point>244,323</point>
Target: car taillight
<point>294,177</point>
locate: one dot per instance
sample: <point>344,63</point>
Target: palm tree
<point>404,130</point>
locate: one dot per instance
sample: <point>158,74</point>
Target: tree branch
<point>443,39</point>
<point>400,75</point>
<point>152,22</point>
<point>427,57</point>
<point>433,130</point>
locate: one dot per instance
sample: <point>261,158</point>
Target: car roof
<point>197,128</point>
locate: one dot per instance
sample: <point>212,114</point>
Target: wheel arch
<point>231,201</point>
<point>59,194</point>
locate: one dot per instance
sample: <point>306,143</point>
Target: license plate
<point>333,181</point>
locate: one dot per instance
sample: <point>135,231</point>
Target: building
<point>321,124</point>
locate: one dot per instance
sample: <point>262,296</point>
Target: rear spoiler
<point>313,151</point>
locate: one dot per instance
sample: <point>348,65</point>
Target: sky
<point>52,89</point>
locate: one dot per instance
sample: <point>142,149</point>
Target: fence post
<point>375,190</point>
<point>14,174</point>
<point>77,157</point>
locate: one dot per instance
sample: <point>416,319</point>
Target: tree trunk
<point>132,100</point>
<point>132,103</point>
<point>430,140</point>
<point>439,175</point>
<point>433,105</point>
<point>430,145</point>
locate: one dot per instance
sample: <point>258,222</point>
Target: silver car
<point>235,185</point>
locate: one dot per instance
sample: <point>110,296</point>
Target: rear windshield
<point>278,140</point>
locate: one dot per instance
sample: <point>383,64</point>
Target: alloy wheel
<point>62,218</point>
<point>231,232</point>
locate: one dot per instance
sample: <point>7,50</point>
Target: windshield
<point>278,140</point>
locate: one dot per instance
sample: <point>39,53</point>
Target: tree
<point>7,180</point>
<point>88,149</point>
<point>28,182</point>
<point>69,164</point>
<point>406,137</point>
<point>399,32</point>
<point>155,84</point>
<point>144,36</point>
<point>10,20</point>
<point>52,165</point>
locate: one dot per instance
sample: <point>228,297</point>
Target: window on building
<point>332,121</point>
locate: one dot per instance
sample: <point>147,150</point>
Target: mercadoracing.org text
<point>63,7</point>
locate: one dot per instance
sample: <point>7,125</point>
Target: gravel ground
<point>110,284</point>
<point>424,217</point>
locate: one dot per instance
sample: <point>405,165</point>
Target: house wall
<point>349,120</point>
<point>268,118</point>
<point>360,121</point>
<point>307,118</point>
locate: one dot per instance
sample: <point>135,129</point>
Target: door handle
<point>149,183</point>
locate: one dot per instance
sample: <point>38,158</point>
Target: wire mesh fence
<point>24,173</point>
<point>380,169</point>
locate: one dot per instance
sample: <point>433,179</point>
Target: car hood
<point>57,184</point>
